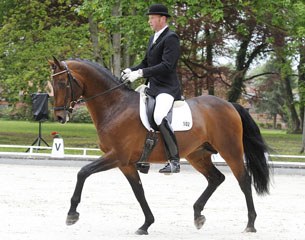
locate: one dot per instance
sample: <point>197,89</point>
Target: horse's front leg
<point>133,178</point>
<point>102,164</point>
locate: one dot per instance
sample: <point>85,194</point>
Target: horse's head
<point>66,88</point>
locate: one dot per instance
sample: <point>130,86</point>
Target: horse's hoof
<point>199,221</point>
<point>141,232</point>
<point>72,218</point>
<point>250,229</point>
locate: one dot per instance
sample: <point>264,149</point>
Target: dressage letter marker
<point>58,148</point>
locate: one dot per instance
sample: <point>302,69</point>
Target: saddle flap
<point>181,115</point>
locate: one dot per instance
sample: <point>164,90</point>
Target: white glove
<point>126,71</point>
<point>134,75</point>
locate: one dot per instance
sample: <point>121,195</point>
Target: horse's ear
<point>52,64</point>
<point>55,63</point>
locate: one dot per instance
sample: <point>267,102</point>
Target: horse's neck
<point>106,109</point>
<point>104,104</point>
<point>96,88</point>
<point>93,81</point>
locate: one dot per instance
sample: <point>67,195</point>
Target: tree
<point>122,30</point>
<point>115,34</point>
<point>269,90</point>
<point>287,41</point>
<point>31,32</point>
<point>200,37</point>
<point>261,30</point>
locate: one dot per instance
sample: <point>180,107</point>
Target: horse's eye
<point>61,84</point>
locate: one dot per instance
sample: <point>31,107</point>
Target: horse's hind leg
<point>245,185</point>
<point>201,161</point>
<point>244,181</point>
<point>236,163</point>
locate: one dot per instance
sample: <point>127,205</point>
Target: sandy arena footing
<point>34,200</point>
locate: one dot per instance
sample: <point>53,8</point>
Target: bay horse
<point>218,126</point>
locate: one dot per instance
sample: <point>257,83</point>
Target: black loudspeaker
<point>40,112</point>
<point>40,106</point>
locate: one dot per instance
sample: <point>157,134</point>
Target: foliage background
<point>114,33</point>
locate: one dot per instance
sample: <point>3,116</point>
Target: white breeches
<point>164,102</point>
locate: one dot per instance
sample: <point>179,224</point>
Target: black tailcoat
<point>159,64</point>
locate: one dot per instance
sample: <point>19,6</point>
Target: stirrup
<point>143,167</point>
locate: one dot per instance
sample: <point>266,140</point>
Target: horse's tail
<point>255,150</point>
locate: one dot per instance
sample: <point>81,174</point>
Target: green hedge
<point>23,112</point>
<point>81,115</point>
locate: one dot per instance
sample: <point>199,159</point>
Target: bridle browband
<point>74,101</point>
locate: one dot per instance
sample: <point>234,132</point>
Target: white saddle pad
<point>182,115</point>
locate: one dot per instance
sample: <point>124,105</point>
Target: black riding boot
<point>171,148</point>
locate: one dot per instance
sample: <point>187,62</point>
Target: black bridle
<point>69,85</point>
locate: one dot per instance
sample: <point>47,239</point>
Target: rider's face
<point>156,22</point>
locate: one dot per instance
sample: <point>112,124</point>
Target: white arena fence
<point>93,153</point>
<point>34,151</point>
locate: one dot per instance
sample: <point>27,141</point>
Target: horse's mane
<point>104,71</point>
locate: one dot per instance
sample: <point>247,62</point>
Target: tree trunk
<point>116,43</point>
<point>274,121</point>
<point>285,73</point>
<point>209,60</point>
<point>295,122</point>
<point>116,61</point>
<point>126,58</point>
<point>93,29</point>
<point>303,136</point>
<point>301,70</point>
<point>301,82</point>
<point>290,104</point>
<point>238,78</point>
<point>236,87</point>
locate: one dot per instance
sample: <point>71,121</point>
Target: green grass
<point>25,132</point>
<point>84,135</point>
<point>282,143</point>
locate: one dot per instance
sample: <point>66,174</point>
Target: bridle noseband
<point>74,101</point>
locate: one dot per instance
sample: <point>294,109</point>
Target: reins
<point>81,100</point>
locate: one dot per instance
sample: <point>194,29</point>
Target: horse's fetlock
<point>197,209</point>
<point>150,220</point>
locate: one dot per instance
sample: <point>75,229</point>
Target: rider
<point>159,67</point>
